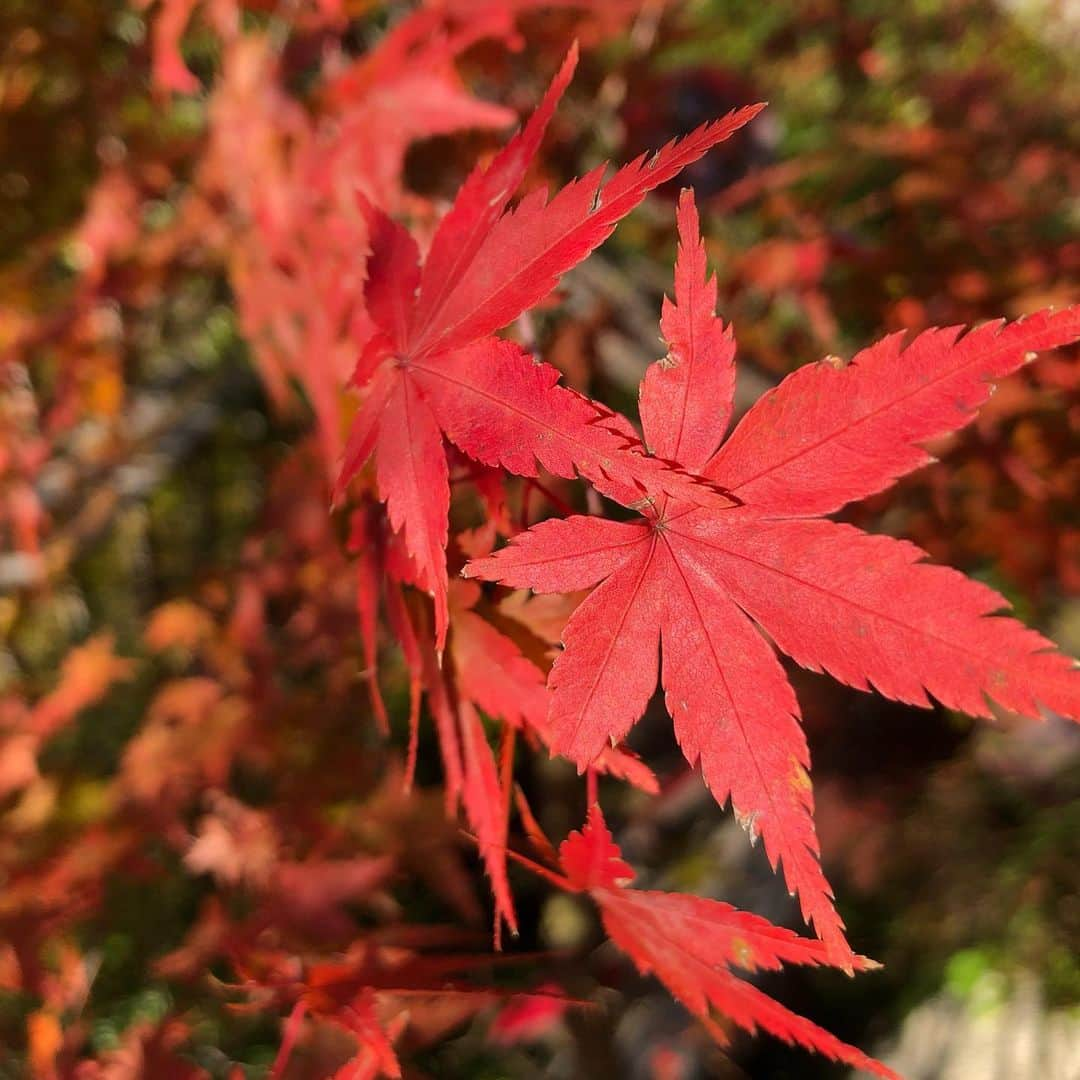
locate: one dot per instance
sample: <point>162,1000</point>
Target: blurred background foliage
<point>186,747</point>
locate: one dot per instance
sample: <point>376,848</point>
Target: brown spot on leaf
<point>800,778</point>
<point>742,954</point>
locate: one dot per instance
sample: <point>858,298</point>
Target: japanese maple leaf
<point>404,90</point>
<point>384,985</point>
<point>433,368</point>
<point>490,671</point>
<point>487,672</point>
<point>833,598</point>
<point>171,19</point>
<point>86,676</point>
<point>692,945</point>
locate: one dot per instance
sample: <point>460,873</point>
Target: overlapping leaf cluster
<point>390,312</point>
<point>695,575</point>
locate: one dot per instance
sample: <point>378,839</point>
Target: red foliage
<point>685,575</point>
<point>384,311</point>
<point>692,944</point>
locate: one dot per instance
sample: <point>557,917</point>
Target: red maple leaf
<point>833,598</point>
<point>486,672</point>
<point>692,944</point>
<point>433,368</point>
<point>405,90</point>
<point>491,672</point>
